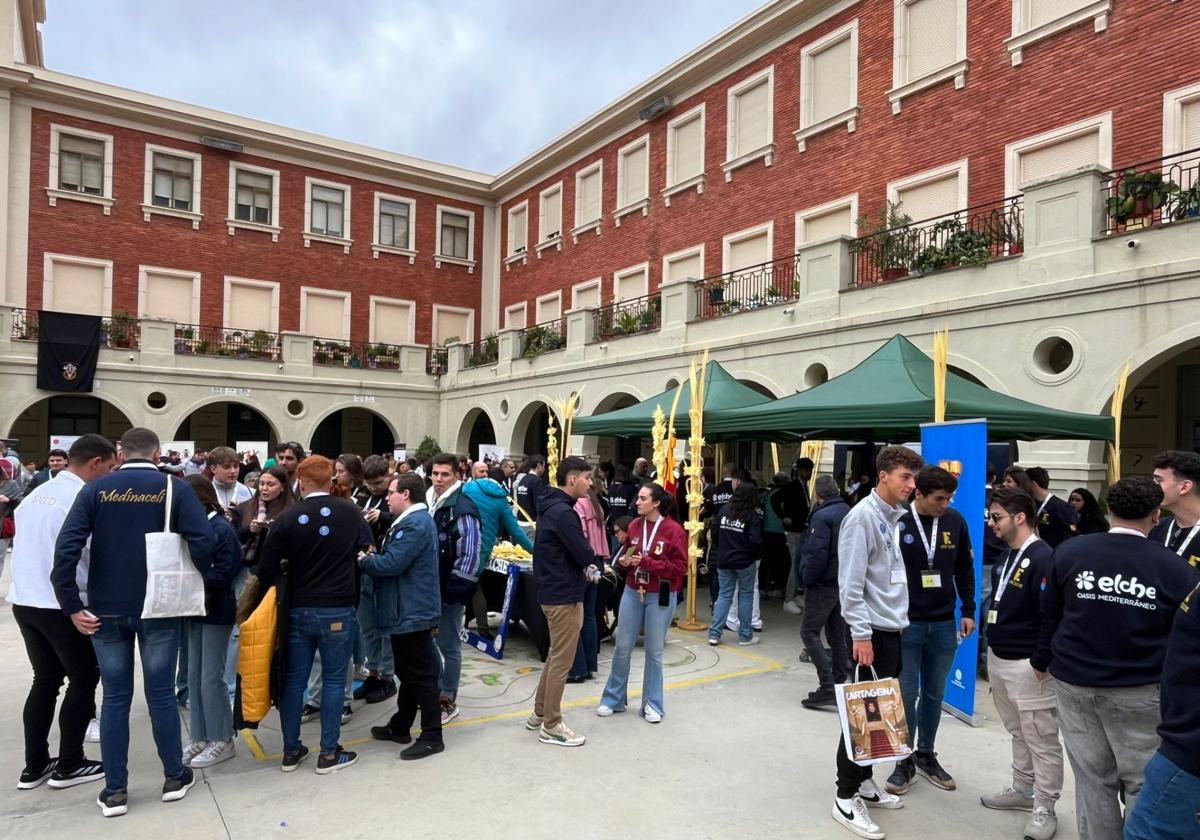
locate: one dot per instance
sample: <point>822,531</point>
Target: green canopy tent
<point>888,396</point>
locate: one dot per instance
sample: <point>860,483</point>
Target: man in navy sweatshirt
<point>819,578</point>
<point>1107,610</point>
<point>116,512</point>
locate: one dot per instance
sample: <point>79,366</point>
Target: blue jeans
<point>231,657</point>
<point>449,644</point>
<point>588,650</point>
<point>158,644</point>
<point>926,653</point>
<point>208,649</point>
<point>329,630</point>
<point>376,647</point>
<point>743,580</point>
<point>638,613</point>
<point>1168,807</point>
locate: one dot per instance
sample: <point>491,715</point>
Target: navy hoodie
<point>819,551</point>
<point>1057,521</point>
<point>117,511</point>
<point>953,561</point>
<point>1014,635</point>
<point>736,540</point>
<point>560,551</point>
<point>1180,727</point>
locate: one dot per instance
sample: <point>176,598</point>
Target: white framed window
<point>253,199</point>
<point>683,265</point>
<point>929,46</point>
<point>586,295</point>
<point>632,282</point>
<point>456,237</point>
<point>833,218</point>
<point>77,284</point>
<point>750,121</point>
<point>934,192</point>
<point>81,166</point>
<point>1058,151</point>
<point>517,249</point>
<point>393,321</point>
<point>829,84</point>
<point>548,307</point>
<point>589,191</point>
<point>685,153</point>
<point>747,248</point>
<point>395,226</point>
<point>633,178</point>
<point>325,313</point>
<point>327,213</point>
<point>550,218</point>
<point>171,186</point>
<point>1181,119</point>
<point>1033,20</point>
<point>453,324</point>
<point>250,305</point>
<point>516,317</point>
<point>169,293</point>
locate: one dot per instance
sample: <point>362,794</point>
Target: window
<point>325,313</point>
<point>456,237</point>
<point>929,46</point>
<point>829,84</point>
<point>166,293</point>
<point>685,153</point>
<point>1181,120</point>
<point>395,226</point>
<point>1085,143</point>
<point>392,321</point>
<point>748,248</point>
<point>251,305</point>
<point>77,284</point>
<point>81,167</point>
<point>682,265</point>
<point>518,234</point>
<point>452,322</point>
<point>589,185</point>
<point>631,283</point>
<point>254,199</point>
<point>834,218</point>
<point>550,218</point>
<point>549,307</point>
<point>586,295</point>
<point>327,213</point>
<point>1033,20</point>
<point>935,192</point>
<point>172,184</point>
<point>750,121</point>
<point>515,317</point>
<point>633,178</point>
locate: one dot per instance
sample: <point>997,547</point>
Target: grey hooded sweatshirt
<point>871,597</point>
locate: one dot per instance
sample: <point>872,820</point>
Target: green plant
<point>891,243</point>
<point>648,317</point>
<point>427,449</point>
<point>487,352</point>
<point>120,328</point>
<point>451,340</point>
<point>1140,194</point>
<point>203,348</point>
<point>540,339</point>
<point>627,323</point>
<point>1187,202</point>
<point>772,292</point>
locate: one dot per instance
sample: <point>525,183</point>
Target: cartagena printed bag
<point>872,717</point>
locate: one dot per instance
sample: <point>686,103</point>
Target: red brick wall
<point>1151,46</point>
<point>80,229</point>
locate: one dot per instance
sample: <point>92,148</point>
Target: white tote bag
<point>174,586</point>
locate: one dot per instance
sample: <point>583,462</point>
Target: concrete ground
<point>736,755</point>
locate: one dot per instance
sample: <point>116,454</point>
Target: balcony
<point>628,317</point>
<point>437,362</point>
<point>357,355</point>
<point>1152,193</point>
<point>197,340</point>
<point>482,352</point>
<point>755,287</point>
<point>543,338</point>
<point>119,332</point>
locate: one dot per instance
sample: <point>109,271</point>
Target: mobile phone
<point>91,615</point>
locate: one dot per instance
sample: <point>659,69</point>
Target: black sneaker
<point>340,760</point>
<point>422,749</point>
<point>927,766</point>
<point>822,698</point>
<point>113,803</point>
<point>292,760</point>
<point>34,778</point>
<point>385,733</point>
<point>309,712</point>
<point>176,789</point>
<point>87,771</point>
<point>902,777</point>
<point>368,685</point>
<point>384,688</point>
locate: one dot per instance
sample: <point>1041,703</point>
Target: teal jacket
<point>496,517</point>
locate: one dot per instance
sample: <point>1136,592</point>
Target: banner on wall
<point>491,454</point>
<point>261,448</point>
<point>63,442</point>
<point>960,447</point>
<point>185,448</point>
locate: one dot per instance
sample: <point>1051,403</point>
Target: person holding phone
<point>654,565</point>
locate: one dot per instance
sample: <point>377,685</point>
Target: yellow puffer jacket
<point>255,649</point>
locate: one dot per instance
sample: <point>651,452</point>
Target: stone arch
<point>763,384</point>
<point>529,428</point>
<point>617,450</point>
<point>355,438</point>
<point>43,415</point>
<point>977,373</point>
<point>242,428</point>
<point>476,424</point>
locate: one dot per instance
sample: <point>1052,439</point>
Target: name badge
<point>991,616</point>
<point>641,577</point>
<point>899,575</point>
<point>931,580</point>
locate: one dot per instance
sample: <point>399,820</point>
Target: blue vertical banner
<point>961,448</point>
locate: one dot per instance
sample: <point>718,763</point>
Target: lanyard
<point>931,543</point>
<point>371,503</point>
<point>1045,502</point>
<point>1010,566</point>
<point>648,544</point>
<point>1187,540</point>
<point>225,502</point>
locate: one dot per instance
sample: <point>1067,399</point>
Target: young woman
<point>1091,520</point>
<point>655,565</point>
<point>591,515</point>
<point>737,539</point>
<point>208,640</point>
<point>274,497</point>
<point>348,477</point>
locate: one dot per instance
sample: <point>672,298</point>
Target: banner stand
<point>494,647</point>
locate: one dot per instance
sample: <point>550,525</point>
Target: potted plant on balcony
<point>260,343</point>
<point>203,348</point>
<point>628,323</point>
<point>1138,196</point>
<point>120,329</point>
<point>647,319</point>
<point>1187,203</point>
<point>320,357</point>
<point>716,291</point>
<point>891,245</point>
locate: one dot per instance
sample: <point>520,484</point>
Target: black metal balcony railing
<point>766,284</point>
<point>1153,193</point>
<point>629,317</point>
<point>330,352</point>
<point>971,237</point>
<point>437,361</point>
<point>120,331</point>
<point>483,352</point>
<point>543,338</point>
<point>197,340</point>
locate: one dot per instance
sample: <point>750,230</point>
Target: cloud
<point>480,83</point>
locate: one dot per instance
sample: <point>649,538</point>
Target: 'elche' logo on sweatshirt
<point>1115,589</point>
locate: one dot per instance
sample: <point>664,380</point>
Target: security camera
<point>131,357</point>
<point>1132,243</point>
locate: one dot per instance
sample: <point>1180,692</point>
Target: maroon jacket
<point>666,559</point>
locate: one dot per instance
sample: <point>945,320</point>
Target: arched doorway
<point>357,430</point>
<point>617,450</point>
<point>476,429</point>
<point>224,424</point>
<point>529,432</point>
<point>1161,409</point>
<point>66,415</point>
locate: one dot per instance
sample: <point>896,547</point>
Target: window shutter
<point>688,150</point>
<point>830,85</point>
<point>514,318</point>
<point>589,198</point>
<point>549,310</point>
<point>254,180</point>
<point>517,224</point>
<point>551,222</point>
<point>753,106</point>
<point>1056,158</point>
<point>632,286</point>
<point>930,199</point>
<point>324,316</point>
<point>392,322</point>
<point>168,296</point>
<point>931,27</point>
<point>833,223</point>
<point>77,288</point>
<point>588,298</point>
<point>1191,124</point>
<point>684,267</point>
<point>748,252</point>
<point>451,324</point>
<point>1044,11</point>
<point>250,307</point>
<point>634,176</point>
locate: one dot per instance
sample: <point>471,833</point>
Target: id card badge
<point>991,616</point>
<point>931,580</point>
<point>641,578</point>
<point>899,575</point>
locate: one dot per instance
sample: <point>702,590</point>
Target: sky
<point>475,83</point>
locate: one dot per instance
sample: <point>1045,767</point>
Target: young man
<point>793,505</point>
<point>561,554</point>
<point>1026,704</point>
<point>407,608</point>
<point>528,487</point>
<point>873,589</point>
<point>457,521</point>
<point>1056,519</point>
<point>380,683</point>
<point>55,462</point>
<point>1178,474</point>
<point>56,649</point>
<point>819,576</point>
<point>940,566</point>
<point>1107,611</point>
<point>224,464</point>
<point>289,455</point>
<point>116,512</point>
<point>496,521</point>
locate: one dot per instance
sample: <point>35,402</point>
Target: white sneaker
<point>652,715</point>
<point>192,750</point>
<point>604,711</point>
<point>876,797</point>
<point>753,640</point>
<point>852,814</point>
<point>1042,824</point>
<point>93,732</point>
<point>214,753</point>
<point>793,608</point>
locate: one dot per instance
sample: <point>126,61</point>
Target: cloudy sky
<point>478,83</point>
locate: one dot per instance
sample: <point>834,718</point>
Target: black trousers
<point>776,563</point>
<point>887,664</point>
<point>417,670</point>
<point>822,610</point>
<point>57,651</point>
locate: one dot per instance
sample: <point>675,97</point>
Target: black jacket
<point>220,606</point>
<point>819,551</point>
<point>791,505</point>
<point>1057,521</point>
<point>622,498</point>
<point>527,494</point>
<point>715,497</point>
<point>953,562</point>
<point>1180,727</point>
<point>736,541</point>
<point>561,551</point>
<point>1014,634</point>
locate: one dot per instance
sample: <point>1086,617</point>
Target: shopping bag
<point>174,586</point>
<point>872,716</point>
